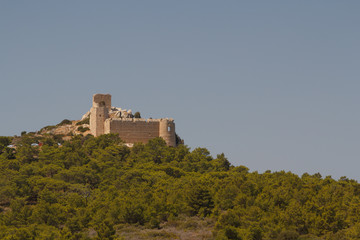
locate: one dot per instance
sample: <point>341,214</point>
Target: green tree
<point>105,230</point>
<point>4,141</point>
<point>200,201</point>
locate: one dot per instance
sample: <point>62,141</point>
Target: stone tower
<point>167,131</point>
<point>99,113</point>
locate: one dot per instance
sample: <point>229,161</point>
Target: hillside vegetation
<point>97,188</point>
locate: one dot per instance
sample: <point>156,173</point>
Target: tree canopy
<point>89,188</point>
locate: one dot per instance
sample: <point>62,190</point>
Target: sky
<point>274,85</point>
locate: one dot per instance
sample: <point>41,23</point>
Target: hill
<point>98,188</point>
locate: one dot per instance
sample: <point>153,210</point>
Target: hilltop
<point>103,118</point>
<point>67,128</point>
<point>59,133</point>
<point>98,188</point>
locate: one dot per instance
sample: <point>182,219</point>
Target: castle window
<point>169,128</point>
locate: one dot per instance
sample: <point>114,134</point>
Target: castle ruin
<point>106,119</point>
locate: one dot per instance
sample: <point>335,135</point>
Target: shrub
<point>85,121</point>
<point>178,140</point>
<point>229,233</point>
<point>47,128</point>
<point>64,122</point>
<point>4,141</point>
<point>137,115</point>
<point>59,138</point>
<point>83,129</point>
<point>288,235</point>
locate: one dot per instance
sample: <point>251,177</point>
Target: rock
<point>117,114</point>
<point>86,115</point>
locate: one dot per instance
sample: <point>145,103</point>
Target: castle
<point>106,119</point>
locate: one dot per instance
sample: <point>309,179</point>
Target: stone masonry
<point>106,119</point>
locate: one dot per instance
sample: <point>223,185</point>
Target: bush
<point>59,138</point>
<point>47,128</point>
<point>83,129</point>
<point>4,141</point>
<point>137,115</point>
<point>229,233</point>
<point>64,122</point>
<point>288,235</point>
<point>85,121</point>
<point>178,140</point>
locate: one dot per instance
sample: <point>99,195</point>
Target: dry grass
<point>182,229</point>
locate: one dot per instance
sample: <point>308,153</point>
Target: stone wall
<point>133,130</point>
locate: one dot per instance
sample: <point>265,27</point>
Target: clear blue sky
<point>272,84</point>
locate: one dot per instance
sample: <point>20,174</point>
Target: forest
<point>98,188</point>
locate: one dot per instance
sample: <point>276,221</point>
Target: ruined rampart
<point>130,129</point>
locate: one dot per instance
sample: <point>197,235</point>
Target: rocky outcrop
<point>120,113</point>
<point>86,115</point>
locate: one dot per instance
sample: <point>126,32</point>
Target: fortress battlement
<point>107,119</point>
<point>140,119</point>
